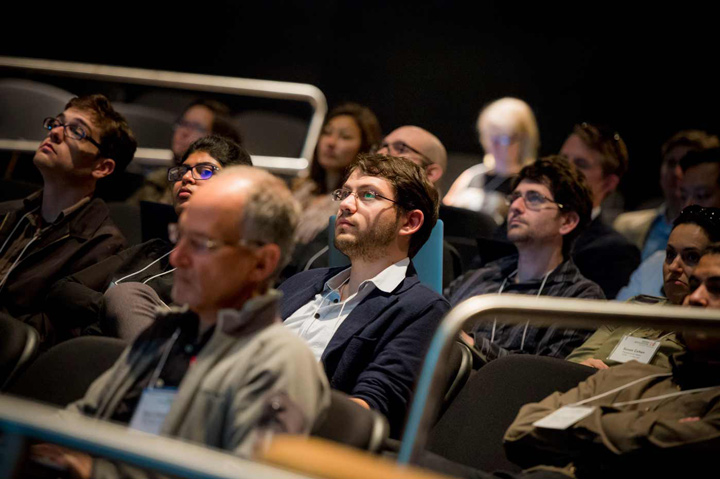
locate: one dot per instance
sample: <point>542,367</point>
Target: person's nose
<point>178,256</point>
<point>698,297</point>
<point>349,204</point>
<point>676,265</point>
<point>57,133</point>
<point>518,204</point>
<point>187,178</point>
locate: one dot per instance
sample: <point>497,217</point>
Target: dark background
<point>646,71</point>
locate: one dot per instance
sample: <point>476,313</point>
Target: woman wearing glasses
<point>693,230</point>
<point>128,287</point>
<point>509,135</point>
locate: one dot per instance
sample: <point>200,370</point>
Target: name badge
<point>638,349</point>
<point>564,417</point>
<point>152,408</point>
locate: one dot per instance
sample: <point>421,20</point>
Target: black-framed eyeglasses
<point>364,195</point>
<point>190,126</point>
<point>532,199</point>
<point>72,130</point>
<point>400,148</point>
<point>201,171</point>
<point>202,244</point>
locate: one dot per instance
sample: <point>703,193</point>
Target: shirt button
<point>335,300</point>
<point>317,315</point>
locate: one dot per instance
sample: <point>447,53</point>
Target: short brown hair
<point>116,138</point>
<point>413,190</point>
<point>608,143</point>
<point>568,187</point>
<point>693,140</point>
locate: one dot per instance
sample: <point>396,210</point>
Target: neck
<point>207,320</point>
<point>362,270</point>
<point>534,263</point>
<point>57,197</point>
<point>508,168</point>
<point>672,210</point>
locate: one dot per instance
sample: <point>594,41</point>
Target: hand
<point>595,363</point>
<point>466,338</point>
<point>360,402</point>
<point>78,464</point>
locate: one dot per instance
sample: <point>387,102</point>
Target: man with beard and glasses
<point>370,324</point>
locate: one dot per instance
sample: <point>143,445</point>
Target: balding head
<point>421,146</point>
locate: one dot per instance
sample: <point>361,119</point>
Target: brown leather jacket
<point>79,240</point>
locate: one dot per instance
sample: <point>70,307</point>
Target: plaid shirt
<point>565,281</point>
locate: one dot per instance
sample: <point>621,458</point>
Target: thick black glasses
<point>74,131</point>
<point>532,199</point>
<point>365,196</point>
<point>201,171</point>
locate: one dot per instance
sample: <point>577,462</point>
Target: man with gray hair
<point>223,365</point>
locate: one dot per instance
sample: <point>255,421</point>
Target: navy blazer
<point>377,352</point>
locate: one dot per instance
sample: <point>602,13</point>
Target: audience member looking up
<point>418,145</point>
<point>638,419</point>
<point>200,118</point>
<point>700,184</point>
<point>694,229</point>
<point>548,208</point>
<point>509,135</point>
<point>649,229</point>
<point>370,324</point>
<point>120,295</point>
<point>226,364</point>
<point>63,228</point>
<point>601,254</point>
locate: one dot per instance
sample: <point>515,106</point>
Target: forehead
<point>211,215</point>
<point>360,180</point>
<point>201,157</point>
<point>343,122</point>
<point>708,266</point>
<point>688,235</point>
<point>574,148</point>
<point>704,174</point>
<point>527,185</point>
<point>85,118</point>
<point>411,136</point>
<point>199,114</point>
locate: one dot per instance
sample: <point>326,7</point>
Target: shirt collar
<point>595,212</point>
<point>386,280</point>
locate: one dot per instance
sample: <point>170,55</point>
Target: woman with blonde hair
<point>509,135</point>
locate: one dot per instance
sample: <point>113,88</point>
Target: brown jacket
<point>615,441</point>
<point>79,240</point>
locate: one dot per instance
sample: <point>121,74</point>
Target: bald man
<point>418,145</point>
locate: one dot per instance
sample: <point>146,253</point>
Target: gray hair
<point>270,214</point>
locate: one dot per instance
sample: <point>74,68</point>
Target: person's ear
<point>267,259</point>
<point>103,167</point>
<point>570,221</point>
<point>434,173</point>
<point>413,220</point>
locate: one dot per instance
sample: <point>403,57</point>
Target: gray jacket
<point>250,360</point>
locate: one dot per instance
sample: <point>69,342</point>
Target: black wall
<point>648,72</point>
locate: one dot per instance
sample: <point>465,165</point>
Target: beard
<point>369,245</point>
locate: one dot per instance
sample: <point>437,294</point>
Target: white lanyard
<point>637,401</point>
<point>502,287</point>
<point>146,267</point>
<point>158,369</point>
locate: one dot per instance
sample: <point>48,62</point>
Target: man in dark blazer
<point>370,324</point>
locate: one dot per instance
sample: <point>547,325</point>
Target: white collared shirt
<point>318,320</point>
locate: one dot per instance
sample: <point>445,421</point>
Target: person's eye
<point>713,286</point>
<point>367,195</point>
<point>693,284</point>
<point>670,255</point>
<point>77,130</point>
<point>534,198</point>
<point>204,172</point>
<point>692,258</point>
<point>581,163</point>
